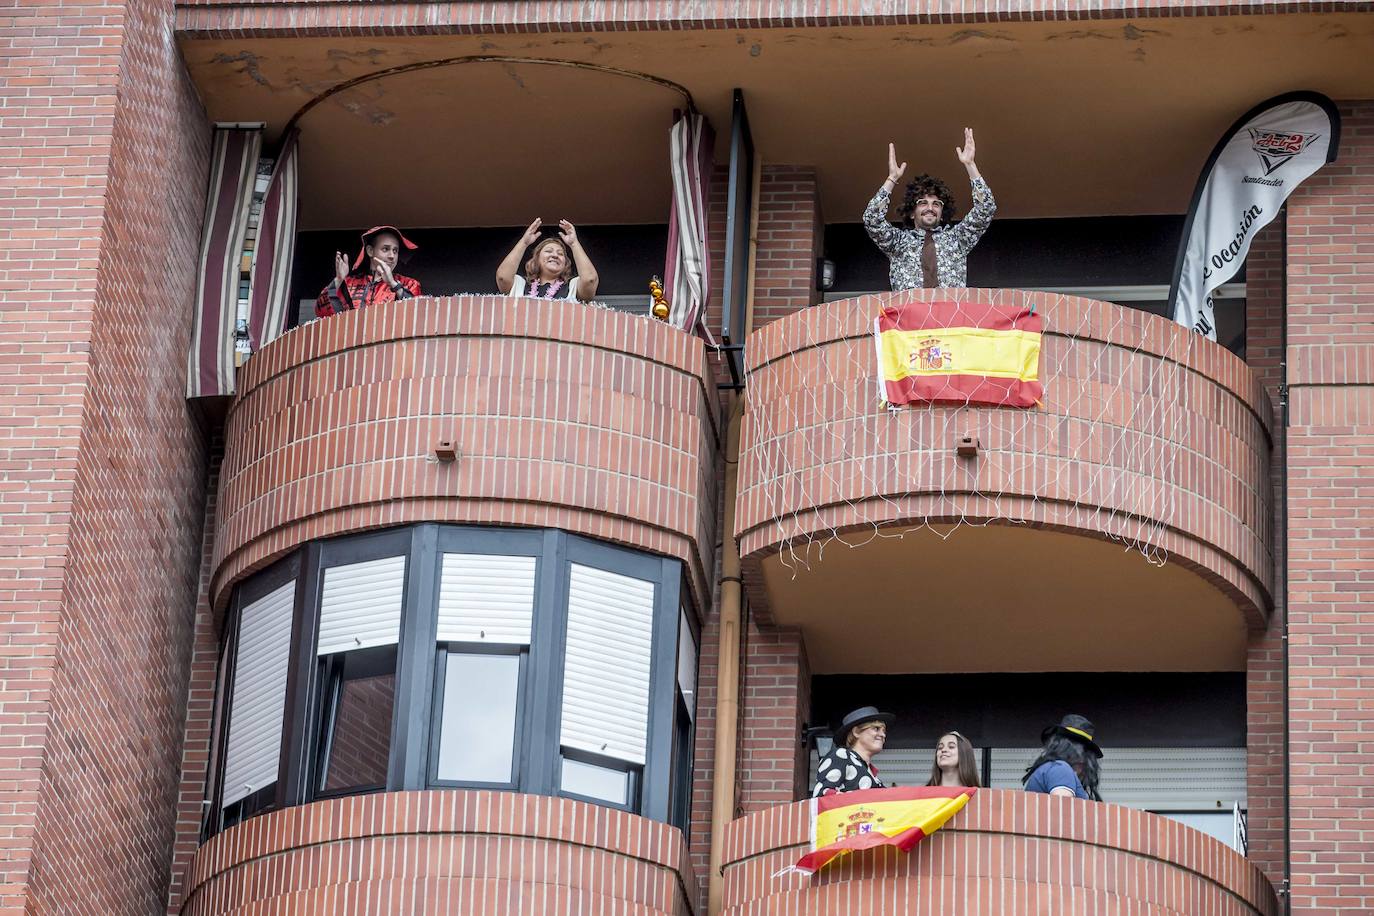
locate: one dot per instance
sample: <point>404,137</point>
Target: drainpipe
<point>727,671</point>
<point>723,777</point>
<point>1286,891</point>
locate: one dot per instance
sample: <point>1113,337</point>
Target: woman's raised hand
<point>567,233</point>
<point>532,233</point>
<point>340,267</point>
<point>894,171</point>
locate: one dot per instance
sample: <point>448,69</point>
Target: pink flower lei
<point>550,292</point>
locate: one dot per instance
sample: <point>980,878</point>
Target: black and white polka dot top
<point>843,770</point>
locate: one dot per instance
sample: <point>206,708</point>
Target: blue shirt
<point>1053,775</point>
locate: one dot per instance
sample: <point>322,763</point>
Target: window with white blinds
<point>360,605</point>
<point>257,706</point>
<point>486,598</point>
<point>606,666</point>
<point>687,665</point>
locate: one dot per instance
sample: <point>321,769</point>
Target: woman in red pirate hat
<point>549,271</point>
<point>372,278</point>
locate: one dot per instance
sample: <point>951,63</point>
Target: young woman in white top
<point>549,270</point>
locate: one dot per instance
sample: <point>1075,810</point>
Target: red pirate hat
<point>406,243</point>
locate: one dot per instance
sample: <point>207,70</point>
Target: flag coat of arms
<point>902,817</point>
<point>958,352</point>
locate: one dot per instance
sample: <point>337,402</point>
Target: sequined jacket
<point>952,242</point>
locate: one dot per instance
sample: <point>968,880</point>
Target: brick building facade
<point>134,522</point>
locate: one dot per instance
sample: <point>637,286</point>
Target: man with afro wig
<point>929,248</point>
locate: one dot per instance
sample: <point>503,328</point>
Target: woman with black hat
<point>849,766</point>
<point>1068,764</point>
<point>372,278</point>
<point>549,270</point>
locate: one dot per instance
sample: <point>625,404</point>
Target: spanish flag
<point>901,817</point>
<point>960,352</point>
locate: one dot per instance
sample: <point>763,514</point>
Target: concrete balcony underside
<point>563,415</point>
<point>1005,852</point>
<point>1135,500</point>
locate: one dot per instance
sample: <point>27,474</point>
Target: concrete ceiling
<point>1002,598</point>
<point>1083,118</point>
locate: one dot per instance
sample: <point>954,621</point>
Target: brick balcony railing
<point>1005,852</point>
<point>564,416</point>
<point>1145,432</point>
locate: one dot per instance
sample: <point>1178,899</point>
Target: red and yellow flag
<point>961,352</point>
<point>878,817</point>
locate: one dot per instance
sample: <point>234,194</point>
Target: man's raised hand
<point>966,154</point>
<point>895,171</point>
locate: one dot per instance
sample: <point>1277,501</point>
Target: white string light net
<point>829,465</point>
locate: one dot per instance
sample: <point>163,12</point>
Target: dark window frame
<point>334,671</point>
<point>260,586</point>
<point>441,656</point>
<point>420,660</point>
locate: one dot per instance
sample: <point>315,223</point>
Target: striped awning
<point>687,273</point>
<point>276,249</point>
<point>233,167</point>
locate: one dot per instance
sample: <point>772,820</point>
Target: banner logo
<point>1275,148</point>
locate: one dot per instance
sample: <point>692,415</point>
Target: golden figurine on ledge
<point>660,306</point>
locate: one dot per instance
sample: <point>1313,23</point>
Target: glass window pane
<point>595,782</point>
<point>361,740</point>
<point>477,735</point>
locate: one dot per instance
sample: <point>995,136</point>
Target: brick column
<point>1331,524</point>
<point>1264,679</point>
<point>789,242</point>
<point>776,700</point>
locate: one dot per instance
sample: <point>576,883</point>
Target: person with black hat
<point>548,271</point>
<point>849,765</point>
<point>1068,764</point>
<point>372,282</point>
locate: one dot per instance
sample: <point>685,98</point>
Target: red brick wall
<point>104,155</point>
<point>200,702</point>
<point>1007,852</point>
<point>1331,541</point>
<point>776,700</point>
<point>1264,679</point>
<point>479,853</point>
<point>214,18</point>
<point>790,230</point>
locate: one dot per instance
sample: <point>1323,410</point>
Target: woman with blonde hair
<point>954,762</point>
<point>548,271</point>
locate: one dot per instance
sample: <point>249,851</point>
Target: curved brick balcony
<point>1146,435</point>
<point>1005,852</point>
<point>564,415</point>
<point>443,851</point>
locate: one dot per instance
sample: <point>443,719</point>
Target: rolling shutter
<point>687,666</point>
<point>257,708</point>
<point>486,598</point>
<point>360,605</point>
<point>1160,779</point>
<point>606,668</point>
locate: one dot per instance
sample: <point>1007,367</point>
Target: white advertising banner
<point>1257,164</point>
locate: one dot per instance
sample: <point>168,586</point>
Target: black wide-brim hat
<point>1075,728</point>
<point>859,717</point>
